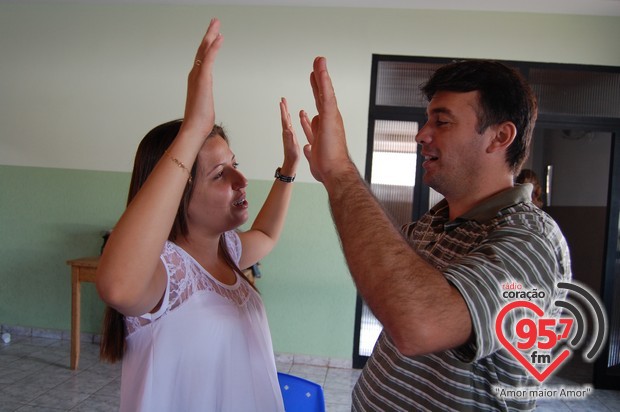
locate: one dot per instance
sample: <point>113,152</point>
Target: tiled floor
<point>35,376</point>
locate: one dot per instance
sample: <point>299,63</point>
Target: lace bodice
<point>208,348</point>
<point>187,277</point>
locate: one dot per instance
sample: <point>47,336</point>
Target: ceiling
<point>578,7</point>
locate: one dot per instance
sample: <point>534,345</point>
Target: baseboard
<point>285,358</point>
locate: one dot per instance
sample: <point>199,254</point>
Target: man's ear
<point>504,135</point>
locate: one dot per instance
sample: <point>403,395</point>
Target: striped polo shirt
<point>504,241</point>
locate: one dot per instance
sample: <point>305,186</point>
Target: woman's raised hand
<point>289,141</point>
<point>199,107</point>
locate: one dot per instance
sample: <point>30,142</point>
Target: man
<point>437,286</point>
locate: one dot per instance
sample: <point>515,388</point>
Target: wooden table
<point>82,270</point>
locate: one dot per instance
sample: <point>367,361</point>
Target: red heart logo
<point>540,375</point>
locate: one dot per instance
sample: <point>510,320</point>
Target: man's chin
<point>429,181</point>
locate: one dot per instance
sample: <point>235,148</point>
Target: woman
<point>193,333</point>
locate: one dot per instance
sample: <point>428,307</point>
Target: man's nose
<point>423,136</point>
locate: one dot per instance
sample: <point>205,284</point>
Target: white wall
<point>80,85</point>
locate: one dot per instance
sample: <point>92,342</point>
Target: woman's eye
<point>236,165</point>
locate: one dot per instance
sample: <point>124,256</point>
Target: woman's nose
<point>239,181</point>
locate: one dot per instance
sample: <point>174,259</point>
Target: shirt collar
<point>489,208</point>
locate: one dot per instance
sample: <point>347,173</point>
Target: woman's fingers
<point>285,116</point>
<point>199,107</point>
<point>289,139</point>
<point>210,44</point>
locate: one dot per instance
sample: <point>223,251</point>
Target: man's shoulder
<point>524,214</point>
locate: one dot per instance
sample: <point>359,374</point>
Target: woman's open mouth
<point>241,202</point>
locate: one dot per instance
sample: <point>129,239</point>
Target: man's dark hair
<point>504,95</point>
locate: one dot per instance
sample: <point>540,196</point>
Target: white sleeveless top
<point>208,348</point>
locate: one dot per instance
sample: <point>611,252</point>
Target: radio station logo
<point>542,343</point>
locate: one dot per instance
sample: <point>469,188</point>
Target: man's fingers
<point>315,125</point>
<point>315,91</point>
<point>306,126</point>
<point>308,152</point>
<point>327,95</point>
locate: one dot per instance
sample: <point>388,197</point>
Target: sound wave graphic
<point>595,308</point>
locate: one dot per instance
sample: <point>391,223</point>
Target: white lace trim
<point>187,277</point>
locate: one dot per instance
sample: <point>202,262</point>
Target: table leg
<point>75,317</point>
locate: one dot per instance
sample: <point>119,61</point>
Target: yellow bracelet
<point>180,164</point>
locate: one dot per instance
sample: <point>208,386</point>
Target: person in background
<point>529,176</point>
<point>436,285</point>
<point>191,330</point>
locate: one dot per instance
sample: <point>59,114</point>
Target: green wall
<point>48,216</point>
<point>306,287</point>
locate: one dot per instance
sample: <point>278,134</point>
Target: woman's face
<point>218,202</point>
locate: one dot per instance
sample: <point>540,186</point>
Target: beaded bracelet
<point>181,165</point>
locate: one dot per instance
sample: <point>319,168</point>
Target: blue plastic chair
<point>301,395</point>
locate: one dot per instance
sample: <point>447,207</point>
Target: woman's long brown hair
<point>151,149</point>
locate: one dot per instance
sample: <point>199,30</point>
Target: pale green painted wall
<point>307,290</point>
<point>48,216</point>
<point>80,86</point>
